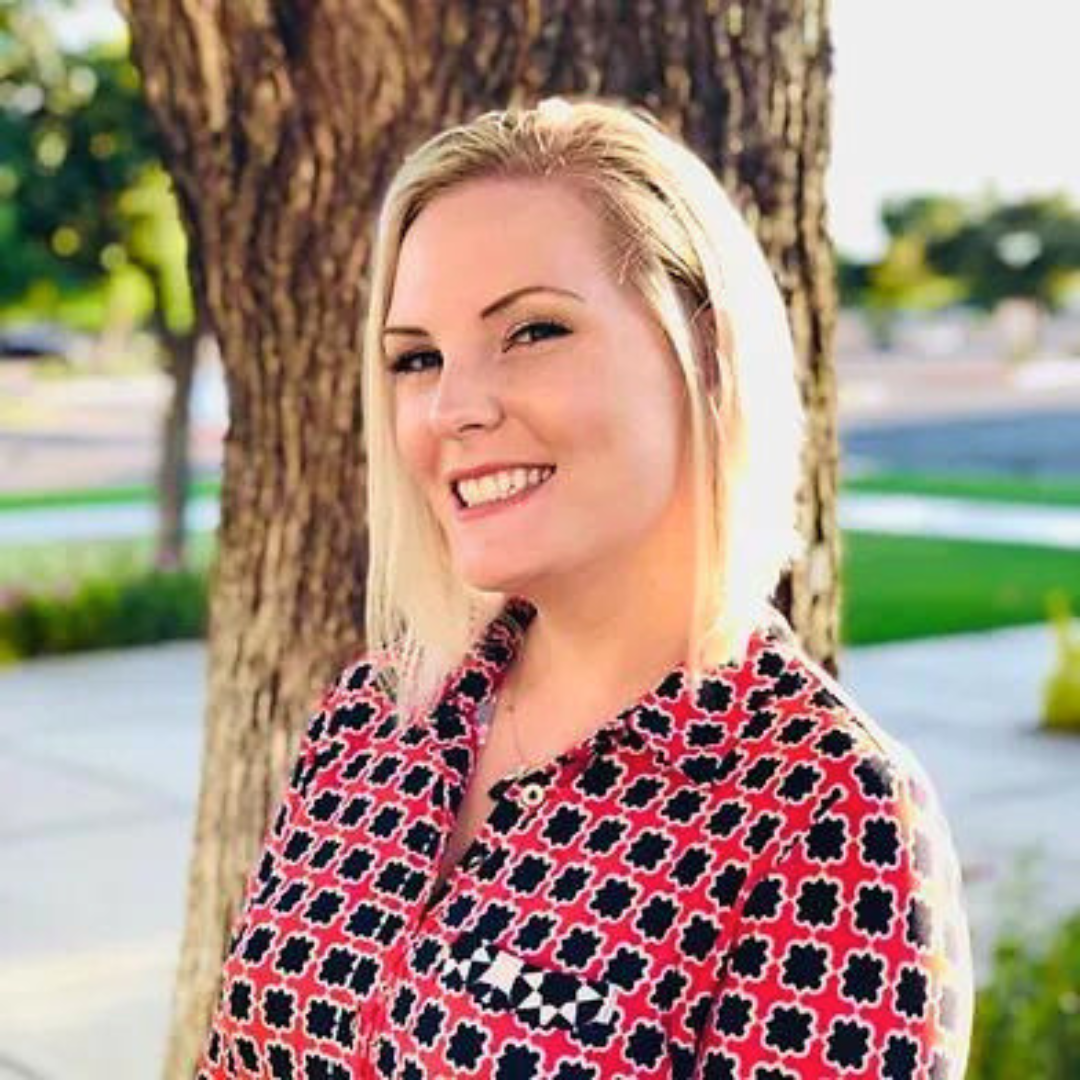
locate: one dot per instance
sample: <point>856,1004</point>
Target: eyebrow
<point>491,309</point>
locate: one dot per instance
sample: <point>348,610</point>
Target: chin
<point>498,581</point>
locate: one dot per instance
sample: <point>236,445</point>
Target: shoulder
<point>857,874</point>
<point>825,756</point>
<point>360,694</point>
<point>874,815</point>
<point>850,740</point>
<point>782,677</point>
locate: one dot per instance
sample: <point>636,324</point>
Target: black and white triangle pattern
<point>541,997</point>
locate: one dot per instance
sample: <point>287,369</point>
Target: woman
<point>585,808</point>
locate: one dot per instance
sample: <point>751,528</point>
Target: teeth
<point>500,485</point>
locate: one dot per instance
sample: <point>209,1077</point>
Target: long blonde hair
<point>685,248</point>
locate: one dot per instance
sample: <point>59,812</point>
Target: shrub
<point>1027,1016</point>
<point>1061,692</point>
<point>104,612</point>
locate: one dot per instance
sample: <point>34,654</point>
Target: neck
<point>596,644</point>
<point>608,630</point>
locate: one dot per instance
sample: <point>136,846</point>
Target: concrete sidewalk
<point>99,762</point>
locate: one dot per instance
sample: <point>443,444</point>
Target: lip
<point>471,513</point>
<point>494,467</point>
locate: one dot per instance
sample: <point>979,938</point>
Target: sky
<point>952,96</point>
<point>947,96</point>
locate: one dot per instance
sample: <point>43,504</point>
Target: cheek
<point>412,437</point>
<point>648,436</point>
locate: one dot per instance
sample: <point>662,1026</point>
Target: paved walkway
<point>108,521</point>
<point>99,761</point>
<point>962,519</point>
<point>913,515</point>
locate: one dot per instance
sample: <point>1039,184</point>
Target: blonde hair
<point>684,247</point>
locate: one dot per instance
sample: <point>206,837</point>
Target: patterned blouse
<point>752,881</point>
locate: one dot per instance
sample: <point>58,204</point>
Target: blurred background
<point>955,208</point>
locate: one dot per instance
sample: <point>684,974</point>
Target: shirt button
<point>532,794</point>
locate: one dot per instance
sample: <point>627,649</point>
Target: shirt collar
<point>678,722</point>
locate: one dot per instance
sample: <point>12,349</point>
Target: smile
<point>507,486</point>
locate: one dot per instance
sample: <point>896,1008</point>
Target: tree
<point>156,243</point>
<point>1020,251</point>
<point>282,123</point>
<point>75,135</point>
<point>89,211</point>
<point>945,250</point>
<point>903,278</point>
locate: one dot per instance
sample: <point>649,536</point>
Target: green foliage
<point>156,242</point>
<point>1027,1017</point>
<point>1061,694</point>
<point>944,250</point>
<point>924,216</point>
<point>85,206</point>
<point>902,279</point>
<point>1025,249</point>
<point>103,612</point>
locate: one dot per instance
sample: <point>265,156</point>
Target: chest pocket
<point>540,997</point>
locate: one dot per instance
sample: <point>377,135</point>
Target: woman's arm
<point>852,957</point>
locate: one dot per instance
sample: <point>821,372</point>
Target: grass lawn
<point>898,587</point>
<point>1044,491</point>
<point>34,568</point>
<point>11,501</point>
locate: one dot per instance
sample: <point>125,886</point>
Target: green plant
<point>1061,693</point>
<point>1027,1016</point>
<point>103,612</point>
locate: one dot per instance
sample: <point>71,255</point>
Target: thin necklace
<point>523,765</point>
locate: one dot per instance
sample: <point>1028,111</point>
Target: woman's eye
<point>543,324</point>
<point>414,362</point>
<point>406,364</point>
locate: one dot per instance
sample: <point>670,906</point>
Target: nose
<point>463,399</point>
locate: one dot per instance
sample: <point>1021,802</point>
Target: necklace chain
<point>515,735</point>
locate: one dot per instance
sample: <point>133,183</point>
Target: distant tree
<point>902,279</point>
<point>944,250</point>
<point>155,243</point>
<point>1018,250</point>
<point>924,217</point>
<point>74,135</point>
<point>87,209</point>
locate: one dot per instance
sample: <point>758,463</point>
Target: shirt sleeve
<point>852,957</point>
<point>338,705</point>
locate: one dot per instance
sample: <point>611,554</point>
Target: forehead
<point>497,234</point>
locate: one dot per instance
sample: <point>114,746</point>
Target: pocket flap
<point>540,996</point>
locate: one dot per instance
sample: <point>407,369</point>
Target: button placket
<point>390,976</point>
<point>374,1023</point>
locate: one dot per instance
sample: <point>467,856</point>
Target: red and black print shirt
<point>752,881</point>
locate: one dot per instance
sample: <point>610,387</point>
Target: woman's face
<point>523,352</point>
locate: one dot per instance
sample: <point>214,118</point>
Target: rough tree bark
<point>282,122</point>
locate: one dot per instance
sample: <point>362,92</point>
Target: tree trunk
<point>282,123</point>
<point>174,468</point>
